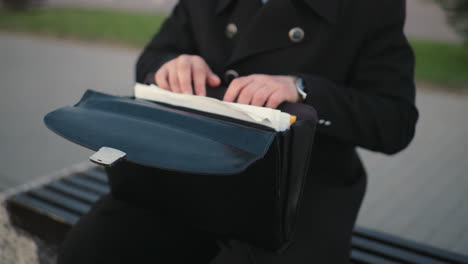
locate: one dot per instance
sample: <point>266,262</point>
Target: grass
<point>442,63</point>
<point>115,26</point>
<point>439,63</point>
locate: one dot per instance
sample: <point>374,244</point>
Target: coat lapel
<point>269,28</point>
<point>222,5</point>
<point>327,9</point>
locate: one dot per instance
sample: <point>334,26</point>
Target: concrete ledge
<point>16,247</point>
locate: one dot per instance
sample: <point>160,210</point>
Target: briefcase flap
<point>159,136</point>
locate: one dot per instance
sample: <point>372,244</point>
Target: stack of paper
<point>273,118</point>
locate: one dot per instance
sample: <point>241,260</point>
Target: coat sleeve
<point>174,38</point>
<point>375,110</point>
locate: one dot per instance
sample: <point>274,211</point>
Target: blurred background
<point>51,51</point>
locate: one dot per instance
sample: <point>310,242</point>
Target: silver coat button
<point>231,30</point>
<point>230,75</point>
<point>296,34</point>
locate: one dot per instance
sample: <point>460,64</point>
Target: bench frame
<point>50,210</point>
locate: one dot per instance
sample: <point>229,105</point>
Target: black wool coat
<point>358,71</point>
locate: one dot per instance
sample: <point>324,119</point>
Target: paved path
<point>37,76</point>
<point>419,194</point>
<point>425,19</point>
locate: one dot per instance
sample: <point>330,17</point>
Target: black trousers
<point>118,232</point>
<point>115,231</point>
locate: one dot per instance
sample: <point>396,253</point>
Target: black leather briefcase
<point>228,177</point>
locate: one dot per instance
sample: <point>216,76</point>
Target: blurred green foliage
<point>121,27</point>
<point>440,63</point>
<point>457,14</point>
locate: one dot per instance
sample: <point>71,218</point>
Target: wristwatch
<point>300,88</point>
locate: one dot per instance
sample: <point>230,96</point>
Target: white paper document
<point>273,118</point>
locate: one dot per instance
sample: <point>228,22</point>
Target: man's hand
<point>179,74</point>
<point>262,90</point>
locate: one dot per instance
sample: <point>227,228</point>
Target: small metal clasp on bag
<point>107,156</point>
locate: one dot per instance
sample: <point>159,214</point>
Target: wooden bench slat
<point>45,208</point>
<point>362,257</point>
<point>76,193</point>
<point>412,246</point>
<point>96,175</point>
<point>60,200</point>
<point>393,253</point>
<point>88,184</point>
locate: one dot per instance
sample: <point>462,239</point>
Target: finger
<point>260,96</point>
<point>184,73</point>
<point>213,79</point>
<point>173,79</point>
<point>161,78</point>
<point>275,99</point>
<point>210,78</point>
<point>199,78</point>
<point>236,87</point>
<point>246,95</point>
